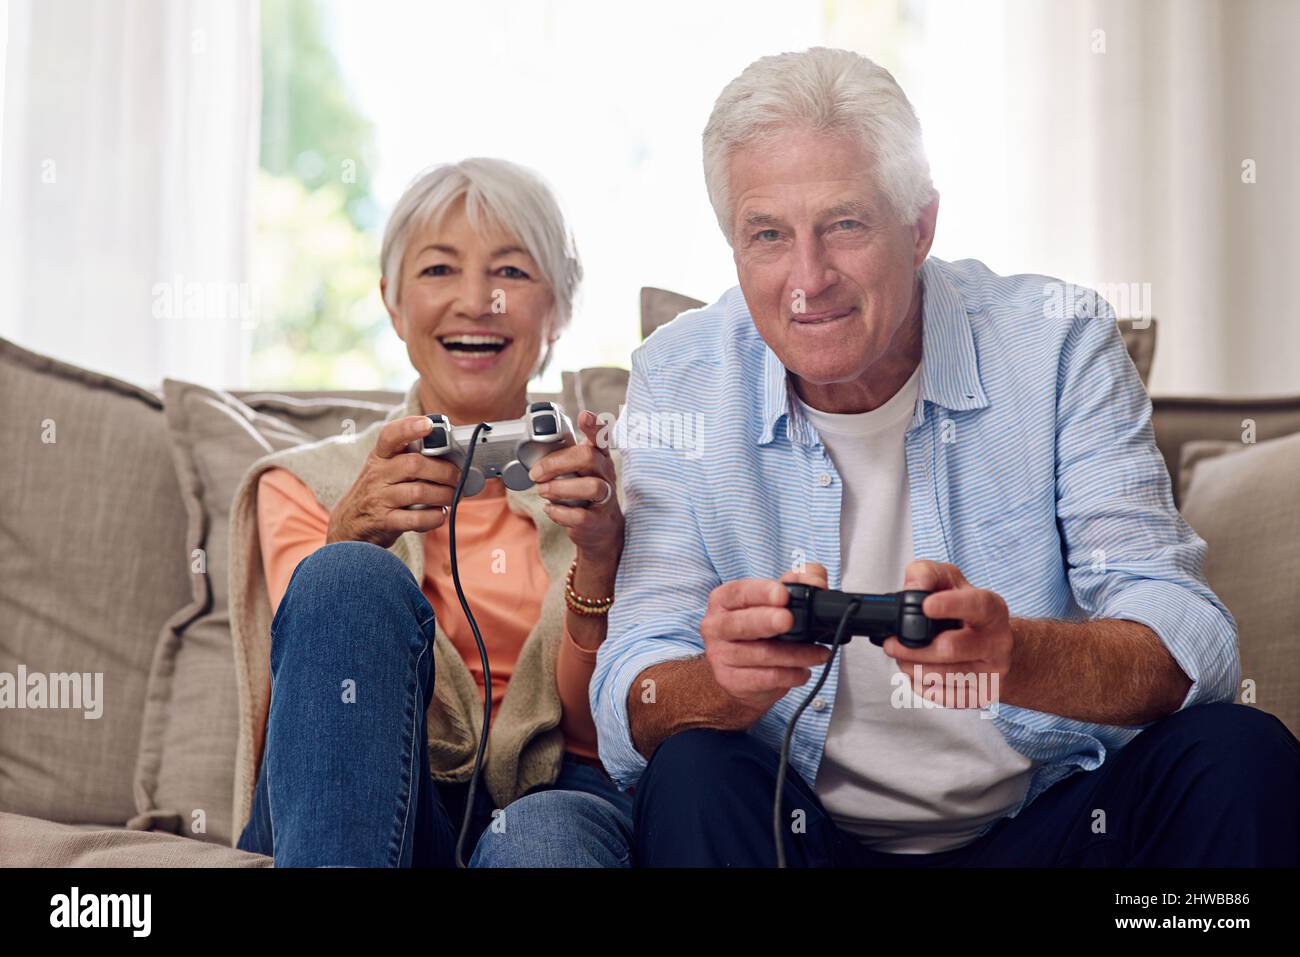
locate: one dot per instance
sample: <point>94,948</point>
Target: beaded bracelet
<point>581,605</point>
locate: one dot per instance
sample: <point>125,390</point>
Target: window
<point>606,101</point>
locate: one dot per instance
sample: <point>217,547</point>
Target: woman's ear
<point>393,315</point>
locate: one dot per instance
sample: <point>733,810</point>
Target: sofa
<point>117,745</point>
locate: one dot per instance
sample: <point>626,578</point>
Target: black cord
<point>777,828</point>
<point>478,639</point>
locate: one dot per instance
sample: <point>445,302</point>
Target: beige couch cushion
<point>32,842</point>
<point>1245,502</point>
<point>185,776</point>
<point>92,563</point>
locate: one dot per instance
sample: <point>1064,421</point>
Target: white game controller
<point>506,450</point>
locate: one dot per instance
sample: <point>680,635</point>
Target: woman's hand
<point>597,530</point>
<point>374,508</point>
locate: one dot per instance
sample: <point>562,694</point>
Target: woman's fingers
<point>590,427</point>
<point>586,458</point>
<point>415,520</point>
<point>590,488</point>
<point>406,494</point>
<point>397,435</point>
<point>413,467</point>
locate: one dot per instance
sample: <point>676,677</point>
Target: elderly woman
<point>365,710</point>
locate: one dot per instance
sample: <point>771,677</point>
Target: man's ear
<point>392,315</point>
<point>924,227</point>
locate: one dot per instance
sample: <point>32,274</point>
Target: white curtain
<point>130,133</point>
<point>1111,142</point>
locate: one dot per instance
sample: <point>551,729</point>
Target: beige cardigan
<point>526,744</point>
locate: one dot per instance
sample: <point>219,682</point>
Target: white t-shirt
<point>904,780</point>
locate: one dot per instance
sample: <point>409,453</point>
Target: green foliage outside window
<point>321,323</point>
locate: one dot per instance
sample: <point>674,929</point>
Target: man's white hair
<point>498,194</point>
<point>820,90</point>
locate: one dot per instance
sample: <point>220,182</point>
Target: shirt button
<point>819,704</point>
<point>824,480</point>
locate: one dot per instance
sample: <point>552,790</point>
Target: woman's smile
<point>474,351</point>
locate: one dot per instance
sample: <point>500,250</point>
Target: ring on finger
<point>609,493</point>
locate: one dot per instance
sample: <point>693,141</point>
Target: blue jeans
<point>581,821</point>
<point>345,780</point>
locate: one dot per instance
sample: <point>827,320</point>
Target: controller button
<point>540,407</point>
<point>545,425</point>
<point>436,439</point>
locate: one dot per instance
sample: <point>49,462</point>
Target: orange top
<point>501,573</point>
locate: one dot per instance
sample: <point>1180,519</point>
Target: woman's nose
<point>473,296</point>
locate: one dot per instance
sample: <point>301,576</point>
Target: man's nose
<point>811,270</point>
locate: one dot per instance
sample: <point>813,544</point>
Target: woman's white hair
<point>821,91</point>
<point>497,194</point>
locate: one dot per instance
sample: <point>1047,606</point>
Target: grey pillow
<point>92,563</point>
<point>185,775</point>
<point>1245,502</point>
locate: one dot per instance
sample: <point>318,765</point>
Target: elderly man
<point>874,420</point>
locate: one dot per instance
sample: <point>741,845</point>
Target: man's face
<point>827,271</point>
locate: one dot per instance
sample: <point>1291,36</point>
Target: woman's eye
<point>513,272</point>
<point>439,269</point>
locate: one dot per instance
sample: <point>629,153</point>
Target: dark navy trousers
<point>1209,786</point>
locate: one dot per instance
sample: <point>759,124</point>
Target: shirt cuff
<point>1201,637</point>
<point>617,752</point>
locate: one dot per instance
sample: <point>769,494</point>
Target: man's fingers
<point>948,646</point>
<point>748,592</point>
<point>769,653</point>
<point>810,574</point>
<point>926,575</point>
<point>748,624</point>
<point>398,434</point>
<point>976,607</point>
<point>758,680</point>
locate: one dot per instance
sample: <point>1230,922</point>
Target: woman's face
<point>475,315</point>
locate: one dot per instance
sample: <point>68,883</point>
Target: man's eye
<point>847,225</point>
<point>439,269</point>
<point>767,235</point>
<point>513,272</point>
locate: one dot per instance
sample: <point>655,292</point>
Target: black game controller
<point>817,613</point>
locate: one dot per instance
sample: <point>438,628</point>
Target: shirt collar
<point>949,363</point>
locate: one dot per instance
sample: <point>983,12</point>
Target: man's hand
<point>982,647</point>
<point>753,668</point>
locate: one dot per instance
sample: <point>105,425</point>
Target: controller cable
<point>840,638</point>
<point>478,639</point>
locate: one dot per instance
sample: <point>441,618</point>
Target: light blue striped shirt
<point>1032,467</point>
